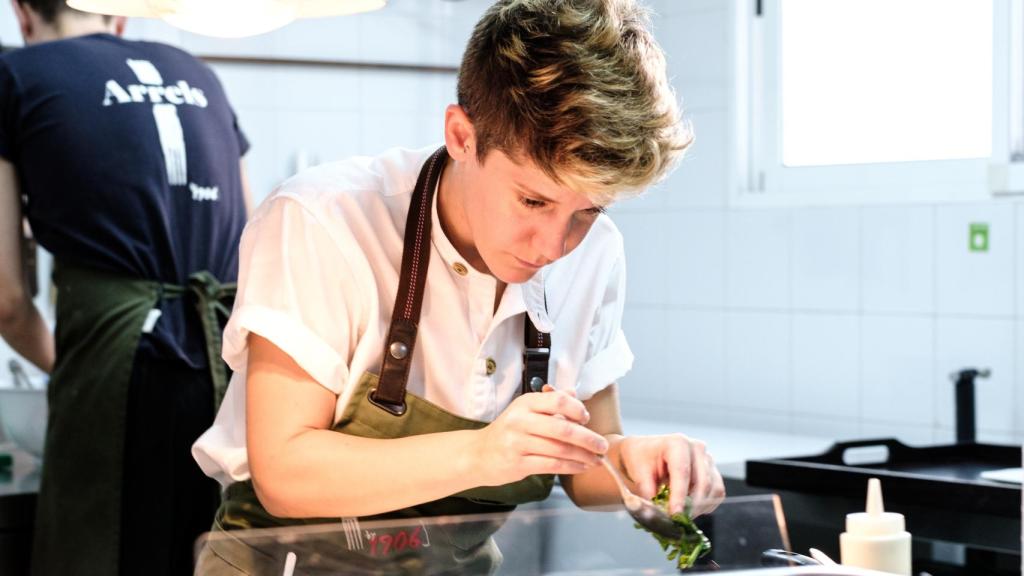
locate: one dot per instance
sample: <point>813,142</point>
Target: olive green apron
<point>453,548</point>
<point>381,408</point>
<point>100,318</point>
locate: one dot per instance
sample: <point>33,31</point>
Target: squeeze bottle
<point>876,539</point>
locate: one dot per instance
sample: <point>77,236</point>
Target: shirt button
<point>460,268</point>
<point>492,366</point>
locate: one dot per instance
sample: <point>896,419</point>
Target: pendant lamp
<point>226,18</point>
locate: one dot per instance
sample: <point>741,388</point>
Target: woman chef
<point>394,314</point>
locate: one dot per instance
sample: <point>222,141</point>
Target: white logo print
<point>204,192</point>
<point>165,100</point>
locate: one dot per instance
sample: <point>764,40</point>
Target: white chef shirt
<point>319,267</point>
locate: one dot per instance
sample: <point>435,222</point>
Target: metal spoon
<point>646,513</point>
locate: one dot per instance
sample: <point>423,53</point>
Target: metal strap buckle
<point>535,368</point>
<point>394,409</point>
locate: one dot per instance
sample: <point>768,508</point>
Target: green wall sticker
<point>977,237</point>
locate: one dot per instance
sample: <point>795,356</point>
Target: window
<point>861,101</point>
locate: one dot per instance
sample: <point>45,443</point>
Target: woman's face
<point>518,219</point>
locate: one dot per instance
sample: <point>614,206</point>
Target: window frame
<point>762,180</point>
<point>1006,171</point>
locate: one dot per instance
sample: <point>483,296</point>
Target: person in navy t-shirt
<point>125,157</point>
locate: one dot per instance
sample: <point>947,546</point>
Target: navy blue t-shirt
<point>128,155</point>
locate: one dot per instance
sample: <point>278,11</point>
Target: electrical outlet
<point>977,237</point>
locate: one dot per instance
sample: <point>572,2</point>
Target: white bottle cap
<point>875,521</point>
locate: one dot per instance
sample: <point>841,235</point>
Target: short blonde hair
<point>577,86</point>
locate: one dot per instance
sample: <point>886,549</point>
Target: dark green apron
<point>381,408</point>
<point>100,318</point>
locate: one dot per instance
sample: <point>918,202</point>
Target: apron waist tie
<point>210,296</point>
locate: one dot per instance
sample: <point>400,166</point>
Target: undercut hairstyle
<point>48,10</point>
<point>580,88</point>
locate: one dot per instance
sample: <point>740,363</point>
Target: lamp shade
<point>319,8</point>
<point>227,18</point>
<point>132,8</point>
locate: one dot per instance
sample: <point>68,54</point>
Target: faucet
<point>965,426</point>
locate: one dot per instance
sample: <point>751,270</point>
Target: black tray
<point>946,476</point>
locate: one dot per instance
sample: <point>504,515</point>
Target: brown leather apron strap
<point>389,394</point>
<point>398,347</point>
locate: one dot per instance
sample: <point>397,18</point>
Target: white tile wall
<point>826,366</point>
<point>1018,264</point>
<point>842,429</point>
<point>1018,399</point>
<point>249,88</point>
<point>898,380</point>
<point>826,259</point>
<point>696,261</point>
<point>323,38</point>
<point>336,90</point>
<point>976,283</point>
<point>701,52</point>
<point>323,135</point>
<point>758,373</point>
<point>689,415</point>
<point>699,180</point>
<point>898,259</point>
<point>648,255</point>
<point>913,435</point>
<point>696,345</point>
<point>667,8</point>
<point>645,330</point>
<point>382,130</point>
<point>378,35</point>
<point>758,256</point>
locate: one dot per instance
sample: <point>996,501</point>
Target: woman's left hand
<point>683,463</point>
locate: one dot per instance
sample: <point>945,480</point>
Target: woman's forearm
<point>25,331</point>
<point>322,473</point>
<point>595,487</point>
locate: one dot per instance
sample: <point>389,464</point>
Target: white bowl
<point>23,415</point>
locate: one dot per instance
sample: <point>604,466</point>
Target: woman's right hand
<point>538,434</point>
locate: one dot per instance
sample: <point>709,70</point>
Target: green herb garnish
<point>691,545</point>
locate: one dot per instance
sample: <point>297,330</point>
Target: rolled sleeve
<point>297,291</point>
<point>295,339</point>
<point>604,368</point>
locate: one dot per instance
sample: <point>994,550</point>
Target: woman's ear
<point>459,134</point>
<point>24,20</point>
<point>117,25</point>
